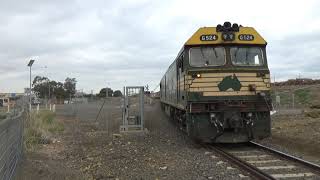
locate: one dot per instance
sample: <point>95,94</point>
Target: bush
<point>3,116</point>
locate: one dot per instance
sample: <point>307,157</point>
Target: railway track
<point>262,162</point>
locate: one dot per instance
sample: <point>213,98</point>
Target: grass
<point>301,97</point>
<point>2,116</point>
<point>40,128</point>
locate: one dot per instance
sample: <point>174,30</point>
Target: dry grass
<point>40,129</point>
<point>3,113</point>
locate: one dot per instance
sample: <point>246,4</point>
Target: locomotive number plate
<point>209,37</point>
<point>246,37</point>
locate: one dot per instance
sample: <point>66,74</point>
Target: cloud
<point>132,42</point>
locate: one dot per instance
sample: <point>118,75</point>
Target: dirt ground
<point>92,148</point>
<point>296,134</point>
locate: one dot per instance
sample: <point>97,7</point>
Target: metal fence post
<point>293,100</point>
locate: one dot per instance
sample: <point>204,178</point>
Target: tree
<point>117,93</point>
<point>102,92</point>
<point>59,91</point>
<point>41,86</point>
<point>70,86</point>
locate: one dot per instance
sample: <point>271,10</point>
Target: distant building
<point>11,95</point>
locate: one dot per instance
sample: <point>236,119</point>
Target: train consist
<point>218,87</point>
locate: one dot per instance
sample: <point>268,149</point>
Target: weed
<point>40,128</point>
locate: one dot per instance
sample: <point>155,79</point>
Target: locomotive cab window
<point>246,56</point>
<point>207,56</point>
<point>180,65</point>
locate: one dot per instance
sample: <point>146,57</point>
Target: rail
<point>258,172</point>
<point>305,163</point>
<point>253,171</point>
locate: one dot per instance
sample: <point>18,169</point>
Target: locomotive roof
<point>214,35</point>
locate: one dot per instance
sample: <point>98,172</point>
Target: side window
<point>180,65</point>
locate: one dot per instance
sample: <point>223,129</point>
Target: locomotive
<point>217,89</point>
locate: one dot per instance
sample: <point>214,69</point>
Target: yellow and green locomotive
<point>218,87</point>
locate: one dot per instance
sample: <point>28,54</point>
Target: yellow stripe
<point>215,84</point>
<point>266,80</point>
<point>237,93</point>
<point>226,74</point>
<point>219,79</point>
<point>205,75</point>
<point>204,89</point>
<point>209,89</point>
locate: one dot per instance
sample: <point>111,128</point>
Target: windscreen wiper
<point>215,52</point>
<point>207,62</point>
<point>247,62</point>
<point>236,53</point>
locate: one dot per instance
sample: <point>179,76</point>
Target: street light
<point>30,65</point>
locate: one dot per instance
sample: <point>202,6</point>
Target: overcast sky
<point>132,42</point>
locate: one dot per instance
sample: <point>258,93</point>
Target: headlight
<point>262,94</point>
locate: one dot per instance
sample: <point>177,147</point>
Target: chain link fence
<point>11,138</point>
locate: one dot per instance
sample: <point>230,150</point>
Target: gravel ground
<point>92,148</point>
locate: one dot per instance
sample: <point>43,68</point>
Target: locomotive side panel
<point>169,86</point>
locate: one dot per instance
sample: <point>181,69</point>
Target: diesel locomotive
<point>217,89</point>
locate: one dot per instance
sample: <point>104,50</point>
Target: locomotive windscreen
<point>207,56</point>
<point>246,56</point>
